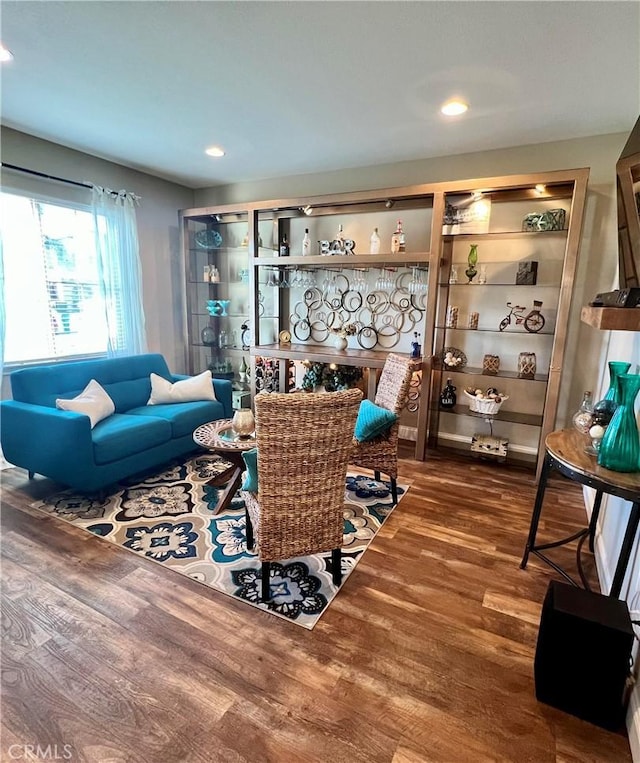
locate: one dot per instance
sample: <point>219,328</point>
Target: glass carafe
<point>583,417</point>
<point>620,447</point>
<point>605,408</point>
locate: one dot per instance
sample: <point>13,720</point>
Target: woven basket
<point>484,404</point>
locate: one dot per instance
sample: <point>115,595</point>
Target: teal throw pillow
<point>250,483</point>
<point>373,421</point>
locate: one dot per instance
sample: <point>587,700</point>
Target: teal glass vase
<point>620,447</point>
<point>605,408</point>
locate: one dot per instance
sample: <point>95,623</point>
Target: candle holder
<point>243,423</point>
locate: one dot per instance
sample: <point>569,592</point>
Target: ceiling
<point>300,87</point>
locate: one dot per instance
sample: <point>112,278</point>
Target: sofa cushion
<point>93,402</point>
<point>189,390</point>
<point>125,379</point>
<point>122,435</point>
<point>183,417</point>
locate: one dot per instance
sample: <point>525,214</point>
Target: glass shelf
<point>223,249</point>
<point>215,348</point>
<point>506,332</point>
<point>228,315</point>
<point>529,419</point>
<point>475,371</point>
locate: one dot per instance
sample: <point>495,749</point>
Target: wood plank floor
<point>425,655</point>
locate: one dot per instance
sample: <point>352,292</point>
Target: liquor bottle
<point>306,243</point>
<point>448,395</point>
<point>284,246</point>
<point>215,274</point>
<point>337,245</point>
<point>374,242</point>
<point>398,239</point>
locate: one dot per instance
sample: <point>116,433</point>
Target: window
<point>54,306</point>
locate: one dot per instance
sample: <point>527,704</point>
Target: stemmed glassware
<point>385,281</point>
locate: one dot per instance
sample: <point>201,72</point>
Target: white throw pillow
<point>198,387</point>
<point>93,401</point>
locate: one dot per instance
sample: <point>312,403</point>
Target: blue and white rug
<point>168,517</point>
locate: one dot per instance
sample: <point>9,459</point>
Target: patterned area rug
<point>168,517</point>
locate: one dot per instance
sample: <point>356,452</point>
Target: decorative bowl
<point>485,405</point>
<point>208,239</point>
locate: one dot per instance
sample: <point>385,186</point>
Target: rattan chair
<point>381,453</point>
<point>304,444</point>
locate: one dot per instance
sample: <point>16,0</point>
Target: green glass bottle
<point>620,447</point>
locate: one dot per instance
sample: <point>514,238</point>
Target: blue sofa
<point>61,444</point>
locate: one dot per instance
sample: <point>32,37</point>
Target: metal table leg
<point>537,510</point>
<point>625,550</point>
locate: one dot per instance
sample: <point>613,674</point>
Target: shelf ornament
<point>471,272</point>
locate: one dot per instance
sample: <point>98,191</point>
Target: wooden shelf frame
<point>560,184</point>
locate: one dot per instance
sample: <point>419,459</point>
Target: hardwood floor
<point>426,654</point>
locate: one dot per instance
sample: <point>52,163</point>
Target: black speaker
<point>583,654</point>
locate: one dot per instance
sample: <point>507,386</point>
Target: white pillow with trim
<point>93,401</point>
<point>198,387</point>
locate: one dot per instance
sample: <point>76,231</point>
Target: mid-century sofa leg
<point>31,474</point>
<point>336,566</point>
<point>266,592</point>
<point>376,475</point>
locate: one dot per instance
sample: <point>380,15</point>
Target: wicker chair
<point>381,453</point>
<point>304,444</point>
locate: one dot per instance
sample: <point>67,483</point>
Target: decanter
<point>583,417</point>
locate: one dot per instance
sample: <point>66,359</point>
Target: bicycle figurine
<point>533,321</point>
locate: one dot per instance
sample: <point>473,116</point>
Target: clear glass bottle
<point>583,417</point>
<point>337,245</point>
<point>398,242</point>
<point>306,243</point>
<point>374,242</point>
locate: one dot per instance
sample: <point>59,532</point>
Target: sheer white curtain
<point>3,462</point>
<point>120,271</point>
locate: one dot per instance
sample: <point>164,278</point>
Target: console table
<point>565,453</point>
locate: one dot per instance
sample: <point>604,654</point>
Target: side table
<point>219,437</point>
<point>565,453</point>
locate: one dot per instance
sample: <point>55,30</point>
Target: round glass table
<point>219,437</point>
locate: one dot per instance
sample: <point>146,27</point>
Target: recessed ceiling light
<point>5,54</point>
<point>215,151</point>
<point>540,188</point>
<point>453,108</point>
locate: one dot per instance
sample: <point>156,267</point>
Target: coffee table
<point>219,437</point>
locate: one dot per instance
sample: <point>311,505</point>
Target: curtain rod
<point>43,175</point>
<point>77,183</point>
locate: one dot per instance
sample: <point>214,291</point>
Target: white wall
<point>163,283</point>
